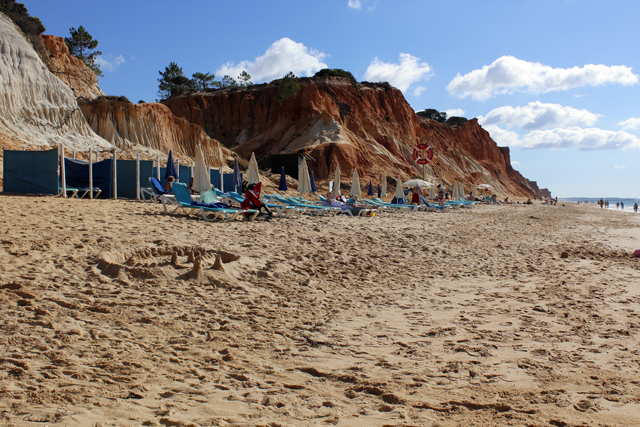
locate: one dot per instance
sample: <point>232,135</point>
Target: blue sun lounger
<point>312,209</point>
<point>182,196</point>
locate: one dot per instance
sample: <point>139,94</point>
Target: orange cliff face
<point>368,126</point>
<point>134,128</point>
<point>152,125</point>
<point>72,71</point>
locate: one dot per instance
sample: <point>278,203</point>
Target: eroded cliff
<point>152,126</point>
<point>364,125</point>
<point>36,108</point>
<point>72,71</point>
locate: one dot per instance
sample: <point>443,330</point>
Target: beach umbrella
<point>313,183</point>
<point>171,167</point>
<point>355,184</point>
<point>384,185</point>
<point>237,177</point>
<point>420,183</point>
<point>253,176</point>
<point>484,186</point>
<point>474,193</point>
<point>379,191</point>
<point>336,181</point>
<point>221,180</point>
<point>432,193</point>
<point>201,179</point>
<point>370,192</point>
<point>399,192</point>
<point>283,181</point>
<point>304,182</point>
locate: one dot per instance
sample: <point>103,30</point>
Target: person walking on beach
<point>621,206</point>
<point>617,205</point>
<point>601,203</point>
<point>635,207</point>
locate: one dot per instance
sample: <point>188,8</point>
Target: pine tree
<point>204,81</point>
<point>244,79</point>
<point>80,45</point>
<point>172,81</point>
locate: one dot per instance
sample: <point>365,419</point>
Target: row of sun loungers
<point>214,204</point>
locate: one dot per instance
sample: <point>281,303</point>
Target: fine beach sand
<point>115,314</point>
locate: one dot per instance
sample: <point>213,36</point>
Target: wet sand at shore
<point>512,315</point>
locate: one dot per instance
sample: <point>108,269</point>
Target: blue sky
<point>557,81</point>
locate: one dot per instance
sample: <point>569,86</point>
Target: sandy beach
<point>114,314</point>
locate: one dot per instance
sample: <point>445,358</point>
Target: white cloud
<point>110,64</point>
<point>508,74</point>
<point>355,4</point>
<point>632,123</point>
<point>503,137</point>
<point>282,56</point>
<point>401,75</point>
<point>537,115</point>
<point>417,91</point>
<point>584,139</point>
<point>455,112</point>
<point>620,167</point>
<point>372,8</point>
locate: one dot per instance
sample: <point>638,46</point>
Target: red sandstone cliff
<point>72,71</point>
<point>368,126</point>
<point>143,128</point>
<point>152,125</point>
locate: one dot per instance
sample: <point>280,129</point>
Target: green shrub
<point>456,121</point>
<point>338,72</point>
<point>432,114</point>
<point>141,102</point>
<point>30,25</point>
<point>116,98</point>
<point>288,87</point>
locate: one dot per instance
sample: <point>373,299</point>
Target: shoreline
<point>496,315</point>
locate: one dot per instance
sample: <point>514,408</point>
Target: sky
<point>557,81</point>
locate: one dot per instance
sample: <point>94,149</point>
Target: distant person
<point>601,203</point>
<point>167,186</point>
<point>621,206</point>
<point>617,205</point>
<point>440,195</point>
<point>415,196</point>
<point>529,202</point>
<point>635,207</point>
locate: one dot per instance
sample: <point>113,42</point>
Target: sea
<point>628,202</point>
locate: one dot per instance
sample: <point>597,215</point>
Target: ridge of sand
<point>114,314</point>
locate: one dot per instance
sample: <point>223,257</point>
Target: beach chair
<point>394,207</point>
<point>182,196</point>
<point>284,211</point>
<point>75,192</point>
<point>165,197</point>
<point>311,209</point>
<point>431,206</point>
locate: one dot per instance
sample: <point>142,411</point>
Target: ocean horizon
<point>627,201</point>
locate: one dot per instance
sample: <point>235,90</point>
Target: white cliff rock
<point>36,108</point>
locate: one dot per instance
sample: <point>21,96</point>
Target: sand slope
<point>113,314</point>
